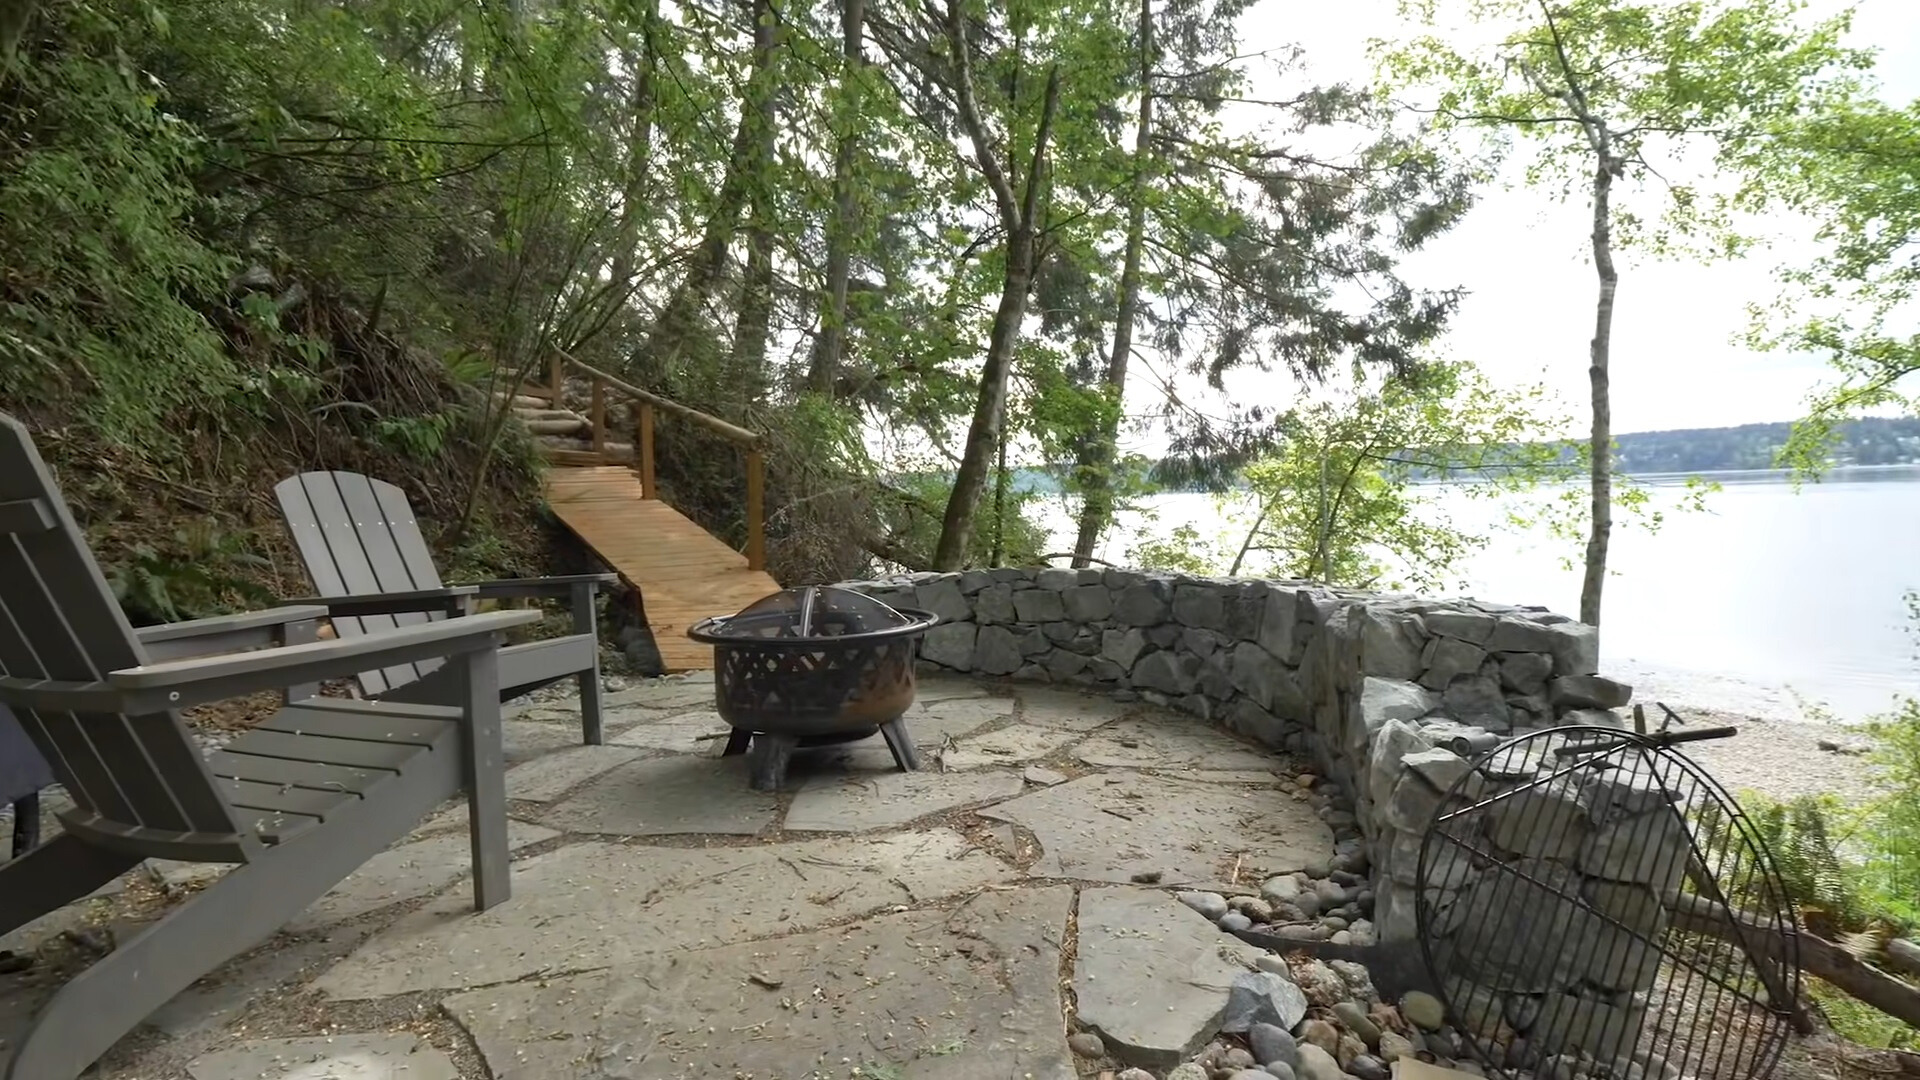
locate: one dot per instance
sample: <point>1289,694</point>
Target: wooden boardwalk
<point>684,574</point>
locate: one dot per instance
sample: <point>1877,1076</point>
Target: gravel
<point>1777,758</point>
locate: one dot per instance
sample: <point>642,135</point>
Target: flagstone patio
<point>667,921</point>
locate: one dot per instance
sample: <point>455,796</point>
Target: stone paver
<point>829,803</point>
<point>1170,743</point>
<point>528,739</point>
<point>1065,709</point>
<point>934,995</point>
<point>221,997</point>
<point>737,945</point>
<point>1116,827</point>
<point>336,1057</point>
<point>667,797</point>
<point>1005,746</point>
<point>1136,947</point>
<point>546,779</point>
<point>679,732</point>
<point>664,695</point>
<point>407,872</point>
<point>592,905</point>
<point>933,726</point>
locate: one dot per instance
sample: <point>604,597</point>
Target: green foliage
<point>1853,168</point>
<point>106,282</point>
<point>1339,504</point>
<point>202,572</point>
<point>1645,83</point>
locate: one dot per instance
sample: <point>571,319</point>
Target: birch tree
<point>1605,99</point>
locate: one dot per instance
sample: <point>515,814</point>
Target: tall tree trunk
<point>832,344</point>
<point>1600,441</point>
<point>679,320</point>
<point>1019,213</point>
<point>1096,460</point>
<point>755,310</point>
<point>639,145</point>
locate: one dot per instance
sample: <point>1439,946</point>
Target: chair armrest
<point>515,588</point>
<point>224,633</point>
<point>179,684</point>
<point>451,600</point>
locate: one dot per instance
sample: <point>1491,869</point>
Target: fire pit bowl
<point>811,666</point>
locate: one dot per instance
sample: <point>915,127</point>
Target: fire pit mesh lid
<point>812,611</point>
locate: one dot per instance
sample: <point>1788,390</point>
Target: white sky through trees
<point>1522,256</point>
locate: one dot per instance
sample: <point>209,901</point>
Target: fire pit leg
<point>904,753</point>
<point>737,742</point>
<point>767,761</point>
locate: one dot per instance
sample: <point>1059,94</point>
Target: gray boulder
<point>1262,997</point>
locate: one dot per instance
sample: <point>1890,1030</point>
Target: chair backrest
<point>59,621</point>
<point>358,536</point>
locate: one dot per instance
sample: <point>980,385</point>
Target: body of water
<point>1768,599</point>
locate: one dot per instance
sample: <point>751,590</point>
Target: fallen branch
<point>1818,956</point>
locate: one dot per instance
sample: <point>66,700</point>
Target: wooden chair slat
<point>62,622</point>
<point>307,774</point>
<point>375,535</point>
<point>254,795</point>
<point>405,731</point>
<point>350,752</point>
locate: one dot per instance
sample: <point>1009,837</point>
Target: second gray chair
<point>370,565</point>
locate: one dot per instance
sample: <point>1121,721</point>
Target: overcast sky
<point>1522,256</point>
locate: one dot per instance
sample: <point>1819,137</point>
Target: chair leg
<point>485,779</point>
<point>53,875</point>
<point>26,824</point>
<point>592,727</point>
<point>94,1009</point>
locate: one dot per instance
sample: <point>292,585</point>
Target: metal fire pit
<point>813,666</point>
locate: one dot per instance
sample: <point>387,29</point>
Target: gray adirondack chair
<point>371,567</point>
<point>298,804</point>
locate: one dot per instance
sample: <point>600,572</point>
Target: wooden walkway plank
<point>684,574</point>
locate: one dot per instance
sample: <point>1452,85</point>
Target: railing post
<point>599,420</point>
<point>557,381</point>
<point>756,511</point>
<point>643,451</point>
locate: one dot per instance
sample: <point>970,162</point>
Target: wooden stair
<point>683,573</point>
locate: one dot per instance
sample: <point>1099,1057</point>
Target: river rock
<point>1316,1064</point>
<point>1367,1067</point>
<point>1394,1046</point>
<point>1280,1069</point>
<point>1357,1021</point>
<point>1210,904</point>
<point>1423,1010</point>
<point>1280,890</point>
<point>1086,1044</point>
<point>1252,907</point>
<point>1272,1043</point>
<point>1350,1047</point>
<point>1136,1074</point>
<point>1318,1033</point>
<point>1234,922</point>
<point>1187,1071</point>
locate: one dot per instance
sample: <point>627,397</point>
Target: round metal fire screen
<point>1589,901</point>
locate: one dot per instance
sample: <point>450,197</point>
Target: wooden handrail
<point>643,460</point>
<point>731,432</point>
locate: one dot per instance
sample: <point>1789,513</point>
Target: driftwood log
<point>1818,956</point>
<point>1904,956</point>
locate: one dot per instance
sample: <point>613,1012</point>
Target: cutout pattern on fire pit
<point>813,666</point>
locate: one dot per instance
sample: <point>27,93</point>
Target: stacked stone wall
<point>1377,689</point>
